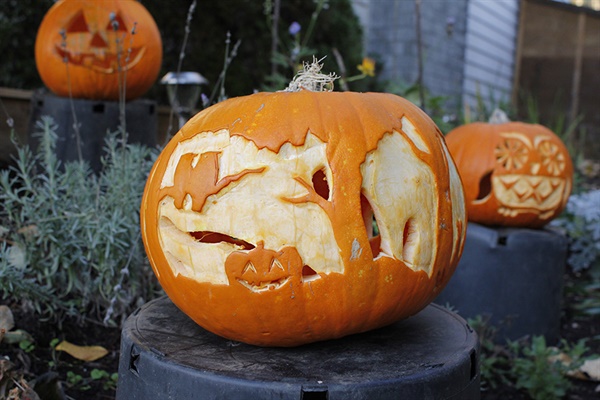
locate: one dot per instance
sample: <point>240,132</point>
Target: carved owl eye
<point>512,153</point>
<point>553,159</point>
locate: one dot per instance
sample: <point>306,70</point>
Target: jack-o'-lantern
<point>259,215</point>
<point>98,49</point>
<point>514,173</point>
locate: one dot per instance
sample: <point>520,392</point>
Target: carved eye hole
<point>249,267</point>
<point>78,24</point>
<point>552,158</point>
<point>309,274</point>
<point>511,153</point>
<point>116,24</point>
<point>275,264</point>
<point>485,186</point>
<point>319,181</point>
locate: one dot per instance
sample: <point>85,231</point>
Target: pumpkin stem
<point>498,117</point>
<point>311,78</point>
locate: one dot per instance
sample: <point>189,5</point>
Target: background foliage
<point>246,20</point>
<point>70,243</point>
<point>19,20</point>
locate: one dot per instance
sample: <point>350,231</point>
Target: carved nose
<point>98,41</point>
<point>535,168</point>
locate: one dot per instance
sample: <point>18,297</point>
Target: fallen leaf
<point>588,371</point>
<point>83,353</point>
<point>592,369</point>
<point>17,336</point>
<point>7,321</point>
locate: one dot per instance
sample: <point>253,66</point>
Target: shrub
<point>71,243</point>
<point>581,220</point>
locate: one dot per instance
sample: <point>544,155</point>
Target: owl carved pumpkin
<point>98,49</point>
<point>258,215</point>
<point>514,174</point>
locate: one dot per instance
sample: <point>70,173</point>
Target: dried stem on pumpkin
<point>311,78</point>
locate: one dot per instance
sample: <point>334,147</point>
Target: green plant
<point>301,30</point>
<point>70,239</point>
<point>494,367</point>
<point>75,379</point>
<point>26,345</point>
<point>528,364</point>
<point>109,380</point>
<point>434,105</point>
<point>538,369</point>
<point>581,221</point>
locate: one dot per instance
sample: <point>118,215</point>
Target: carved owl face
<point>514,174</point>
<point>88,48</point>
<point>258,216</point>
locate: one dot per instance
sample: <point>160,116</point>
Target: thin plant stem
<point>342,66</point>
<point>63,34</point>
<point>313,22</point>
<point>220,85</point>
<point>419,54</point>
<point>9,120</point>
<point>275,34</point>
<point>186,35</point>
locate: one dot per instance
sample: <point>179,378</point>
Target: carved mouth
<point>535,193</point>
<point>216,237</point>
<point>263,286</point>
<point>102,61</point>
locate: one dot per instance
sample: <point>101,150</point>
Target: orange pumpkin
<point>258,215</point>
<point>514,174</point>
<point>86,49</point>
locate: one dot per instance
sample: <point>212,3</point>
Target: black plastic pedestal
<point>512,276</point>
<point>95,119</point>
<point>165,355</point>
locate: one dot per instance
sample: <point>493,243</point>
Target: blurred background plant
<point>530,365</point>
<point>581,224</point>
<point>334,26</point>
<point>70,240</point>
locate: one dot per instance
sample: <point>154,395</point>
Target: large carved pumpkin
<point>514,173</point>
<point>258,216</point>
<point>86,49</point>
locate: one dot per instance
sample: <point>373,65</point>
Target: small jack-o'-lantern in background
<point>258,215</point>
<point>91,49</point>
<point>514,174</point>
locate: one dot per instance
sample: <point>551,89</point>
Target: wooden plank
<point>15,93</point>
<point>577,68</point>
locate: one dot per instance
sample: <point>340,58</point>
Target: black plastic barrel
<point>95,118</point>
<point>513,278</point>
<point>165,355</point>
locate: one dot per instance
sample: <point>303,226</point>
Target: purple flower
<point>294,28</point>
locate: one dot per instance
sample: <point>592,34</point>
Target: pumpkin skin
<point>94,46</point>
<point>514,174</point>
<point>256,216</point>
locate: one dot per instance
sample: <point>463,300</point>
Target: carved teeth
<point>525,191</point>
<point>263,286</point>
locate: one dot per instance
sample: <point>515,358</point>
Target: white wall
<point>492,28</point>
